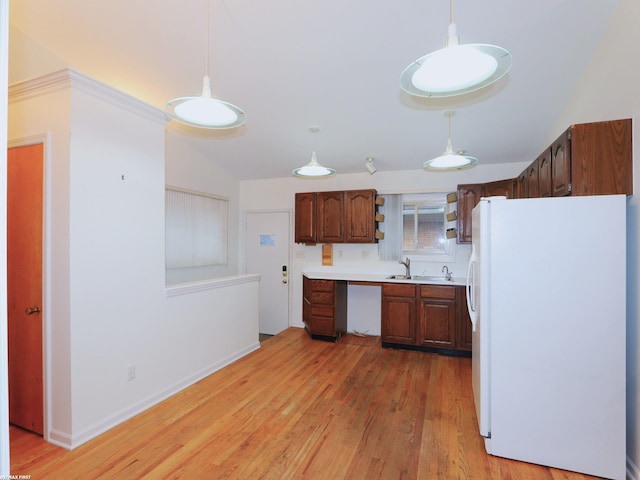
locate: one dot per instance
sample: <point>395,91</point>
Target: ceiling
<point>334,64</point>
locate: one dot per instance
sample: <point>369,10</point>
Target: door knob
<point>32,310</point>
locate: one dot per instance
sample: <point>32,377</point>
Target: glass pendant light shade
<point>455,69</point>
<point>313,169</point>
<point>450,159</point>
<point>204,110</point>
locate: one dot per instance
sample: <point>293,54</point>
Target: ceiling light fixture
<point>313,169</point>
<point>204,110</point>
<point>450,159</point>
<point>369,166</point>
<point>455,69</point>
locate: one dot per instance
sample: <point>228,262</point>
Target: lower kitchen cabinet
<point>324,308</point>
<point>425,317</point>
<point>398,313</point>
<point>438,313</point>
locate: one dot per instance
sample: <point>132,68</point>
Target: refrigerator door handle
<point>471,280</point>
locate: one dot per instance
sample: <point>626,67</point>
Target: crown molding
<point>70,79</point>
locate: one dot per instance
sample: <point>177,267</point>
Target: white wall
<point>610,89</point>
<point>279,193</point>
<point>106,304</point>
<point>188,167</point>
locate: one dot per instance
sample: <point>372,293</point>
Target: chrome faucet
<point>447,274</point>
<point>407,266</point>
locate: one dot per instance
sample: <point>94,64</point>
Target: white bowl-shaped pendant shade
<point>313,169</point>
<point>452,69</point>
<point>450,160</point>
<point>204,111</point>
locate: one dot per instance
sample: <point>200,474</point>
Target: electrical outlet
<point>131,372</point>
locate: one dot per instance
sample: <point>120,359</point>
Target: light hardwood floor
<point>298,409</point>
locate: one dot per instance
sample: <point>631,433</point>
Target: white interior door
<point>267,245</point>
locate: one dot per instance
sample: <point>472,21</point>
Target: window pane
<point>408,228</point>
<point>430,229</point>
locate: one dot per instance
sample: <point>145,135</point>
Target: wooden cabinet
<point>545,184</point>
<point>594,159</point>
<point>398,313</point>
<point>360,207</point>
<point>305,218</point>
<point>330,217</point>
<point>561,166</point>
<point>336,217</point>
<point>533,189</point>
<point>522,185</point>
<point>502,188</point>
<point>324,308</point>
<point>438,312</point>
<point>468,197</point>
<point>425,317</point>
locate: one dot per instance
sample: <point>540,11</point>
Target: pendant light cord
<point>451,11</point>
<point>206,60</point>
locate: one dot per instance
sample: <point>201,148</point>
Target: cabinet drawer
<point>322,285</point>
<point>322,310</point>
<point>323,326</point>
<point>322,297</point>
<point>437,291</point>
<point>398,290</point>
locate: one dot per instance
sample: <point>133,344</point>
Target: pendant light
<point>204,110</point>
<point>450,159</point>
<point>455,69</point>
<point>313,169</point>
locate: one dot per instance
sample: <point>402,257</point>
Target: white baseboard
<point>633,473</point>
<point>70,442</point>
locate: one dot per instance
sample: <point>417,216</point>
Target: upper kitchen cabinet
<point>468,197</point>
<point>593,159</point>
<point>330,217</point>
<point>499,188</point>
<point>305,218</point>
<point>360,206</point>
<point>545,184</point>
<point>533,184</point>
<point>336,217</point>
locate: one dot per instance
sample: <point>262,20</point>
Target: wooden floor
<point>298,409</point>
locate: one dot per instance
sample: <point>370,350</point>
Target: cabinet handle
<point>32,310</point>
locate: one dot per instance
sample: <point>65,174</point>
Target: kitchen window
<point>195,228</point>
<point>417,227</point>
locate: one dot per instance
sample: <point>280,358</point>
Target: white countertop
<point>379,278</point>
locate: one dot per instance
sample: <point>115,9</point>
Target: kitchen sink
<point>433,278</point>
<point>425,278</point>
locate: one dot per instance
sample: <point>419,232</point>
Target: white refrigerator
<point>546,294</point>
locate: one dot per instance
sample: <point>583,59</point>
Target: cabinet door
<point>399,313</point>
<point>330,211</point>
<point>544,174</point>
<point>399,320</point>
<point>561,165</point>
<point>360,216</point>
<point>532,180</point>
<point>503,188</point>
<point>468,197</point>
<point>438,313</point>
<point>305,218</point>
<point>522,185</point>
